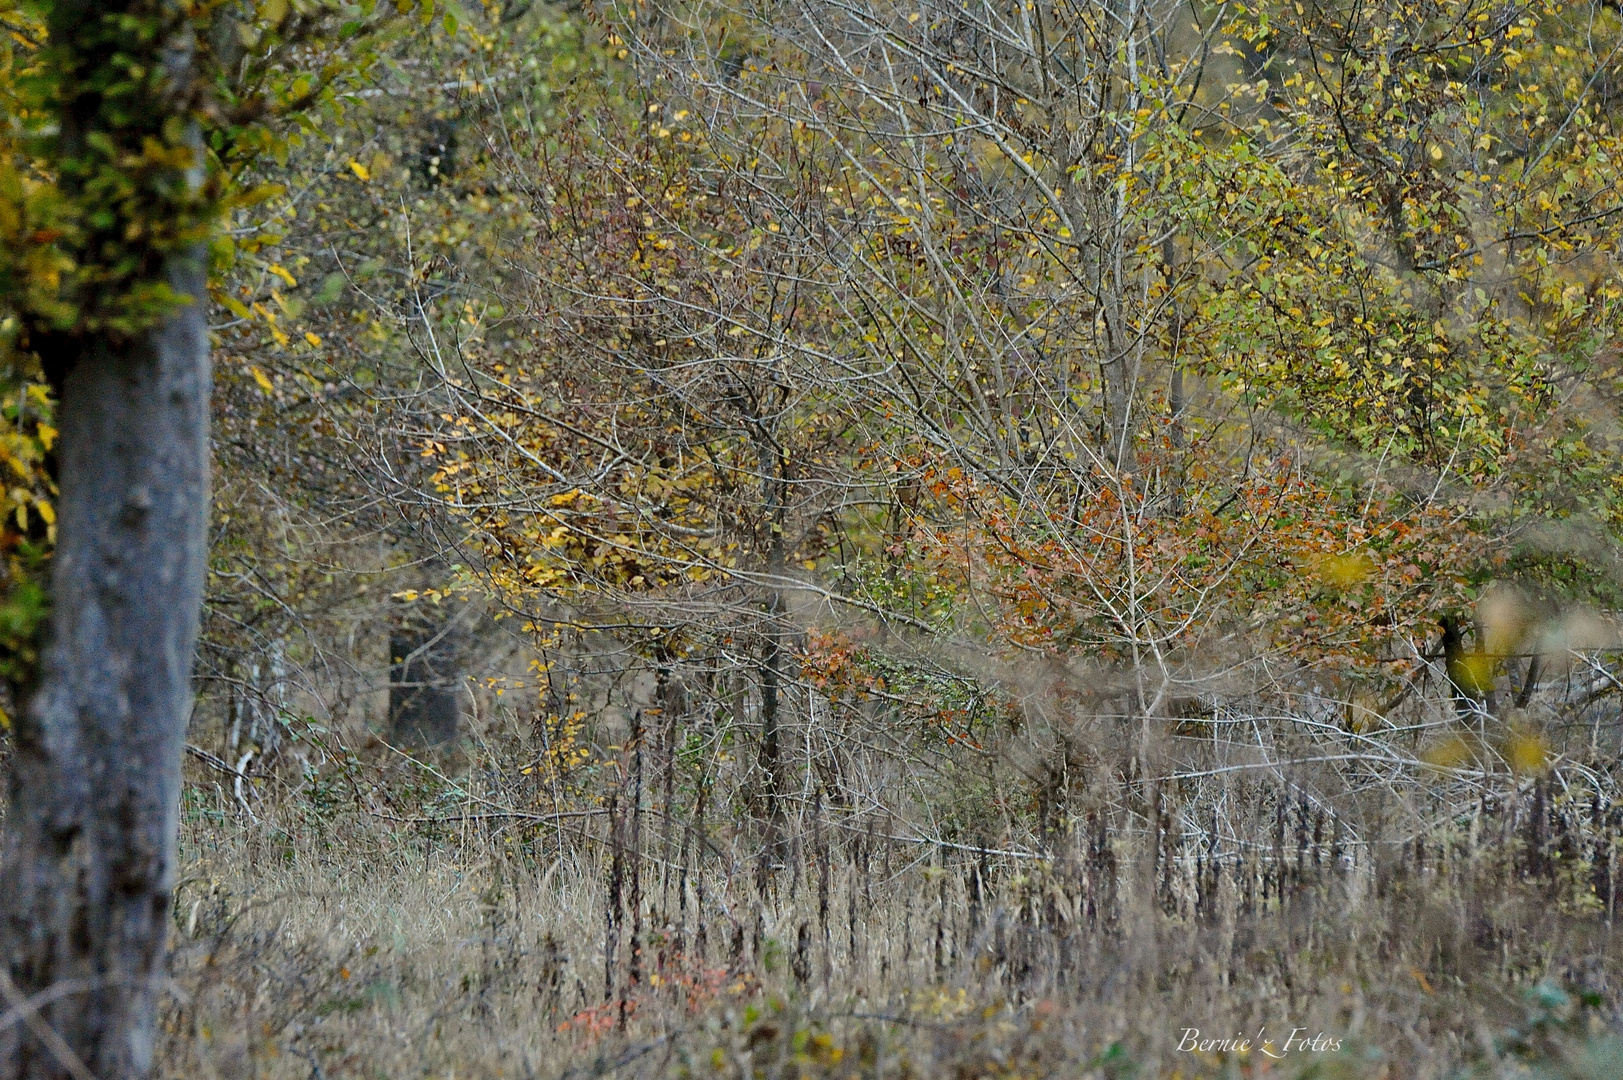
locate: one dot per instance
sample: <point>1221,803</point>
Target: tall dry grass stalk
<point>411,927</point>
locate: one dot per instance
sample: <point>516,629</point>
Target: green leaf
<point>332,287</point>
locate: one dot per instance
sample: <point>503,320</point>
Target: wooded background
<point>1135,484</point>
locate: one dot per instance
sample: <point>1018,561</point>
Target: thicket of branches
<point>1172,445</point>
<point>1167,390</point>
<point>922,404</point>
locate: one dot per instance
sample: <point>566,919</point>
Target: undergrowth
<point>440,935</point>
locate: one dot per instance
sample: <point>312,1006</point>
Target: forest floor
<point>328,941</point>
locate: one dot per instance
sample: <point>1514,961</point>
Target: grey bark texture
<point>90,847</point>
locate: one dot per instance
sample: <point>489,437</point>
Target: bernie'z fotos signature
<point>1296,1042</point>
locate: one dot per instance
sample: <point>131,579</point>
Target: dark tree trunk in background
<point>775,482</point>
<point>90,862</point>
<point>423,686</point>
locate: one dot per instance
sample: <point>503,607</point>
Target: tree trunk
<point>90,864</point>
<point>423,699</point>
<point>775,482</point>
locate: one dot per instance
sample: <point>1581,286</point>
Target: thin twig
<point>28,1010</point>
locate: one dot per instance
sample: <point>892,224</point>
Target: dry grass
<point>333,940</point>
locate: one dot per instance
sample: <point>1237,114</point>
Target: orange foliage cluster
<point>834,663</point>
<point>1120,568</point>
<point>680,976</point>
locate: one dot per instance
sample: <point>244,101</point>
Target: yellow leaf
<point>282,273</point>
<point>1345,570</point>
<point>1527,752</point>
<point>264,383</point>
<point>46,511</point>
<point>254,195</point>
<point>47,435</point>
<point>314,339</point>
<point>1449,754</point>
<point>361,171</point>
<point>237,307</point>
<point>1473,673</point>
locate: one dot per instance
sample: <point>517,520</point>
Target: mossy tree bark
<point>96,777</point>
<point>91,835</point>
